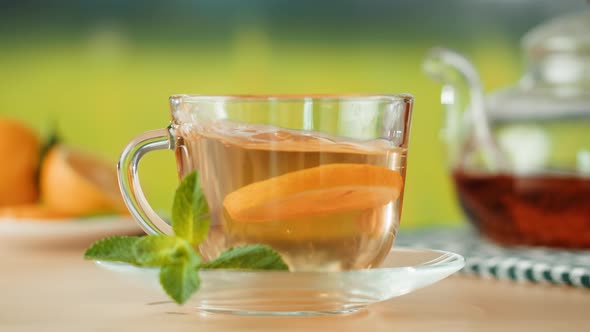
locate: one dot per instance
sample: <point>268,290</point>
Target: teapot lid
<point>557,83</point>
<point>558,53</point>
<point>538,104</point>
<point>569,33</point>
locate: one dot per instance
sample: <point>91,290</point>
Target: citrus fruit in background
<point>314,191</point>
<point>31,211</point>
<point>77,183</point>
<point>19,156</point>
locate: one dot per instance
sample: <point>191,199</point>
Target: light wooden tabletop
<point>53,289</point>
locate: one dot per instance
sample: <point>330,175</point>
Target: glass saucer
<point>310,293</point>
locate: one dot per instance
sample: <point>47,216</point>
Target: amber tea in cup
<point>318,178</point>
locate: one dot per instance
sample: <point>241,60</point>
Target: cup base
<point>274,313</point>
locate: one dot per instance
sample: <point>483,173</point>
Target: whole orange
<point>19,156</point>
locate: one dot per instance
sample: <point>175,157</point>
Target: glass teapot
<point>520,157</point>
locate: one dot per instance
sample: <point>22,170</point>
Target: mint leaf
<point>115,248</point>
<point>160,250</point>
<point>180,281</point>
<point>201,218</point>
<point>190,219</point>
<point>248,257</point>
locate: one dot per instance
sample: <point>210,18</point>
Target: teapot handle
<point>462,95</point>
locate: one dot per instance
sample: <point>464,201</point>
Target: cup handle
<point>133,196</point>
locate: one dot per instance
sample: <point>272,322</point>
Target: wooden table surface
<point>53,289</point>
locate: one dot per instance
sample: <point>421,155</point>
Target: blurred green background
<point>102,70</point>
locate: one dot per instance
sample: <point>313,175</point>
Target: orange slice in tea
<point>315,191</point>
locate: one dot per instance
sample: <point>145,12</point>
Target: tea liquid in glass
<point>323,202</point>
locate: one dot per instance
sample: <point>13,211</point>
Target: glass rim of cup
<point>386,97</point>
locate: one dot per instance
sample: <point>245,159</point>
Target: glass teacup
<point>318,178</point>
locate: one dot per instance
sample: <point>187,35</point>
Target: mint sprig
<point>176,256</point>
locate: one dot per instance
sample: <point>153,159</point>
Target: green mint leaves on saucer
<point>114,249</point>
<point>175,255</point>
<point>249,257</point>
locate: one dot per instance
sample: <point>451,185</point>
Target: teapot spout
<point>463,100</point>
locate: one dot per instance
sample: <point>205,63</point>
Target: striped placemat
<point>487,260</point>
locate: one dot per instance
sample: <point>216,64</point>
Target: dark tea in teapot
<point>538,210</point>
